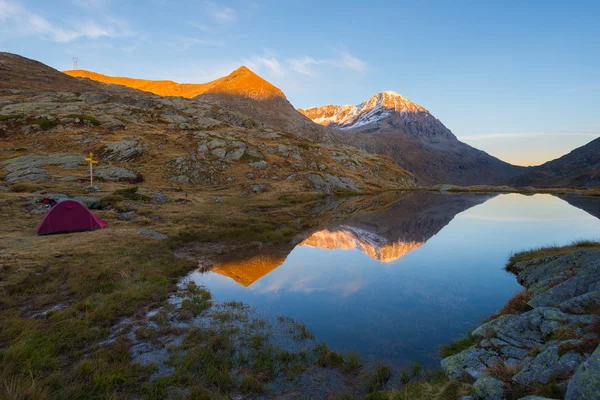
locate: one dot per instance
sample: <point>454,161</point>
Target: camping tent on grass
<point>69,216</point>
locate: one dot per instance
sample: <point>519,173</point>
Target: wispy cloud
<point>303,65</point>
<point>525,135</point>
<point>343,59</point>
<point>347,60</point>
<point>220,14</point>
<point>90,3</point>
<point>183,43</point>
<point>26,22</point>
<point>268,61</point>
<point>202,27</point>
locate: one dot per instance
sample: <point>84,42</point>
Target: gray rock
<point>4,188</point>
<point>580,304</point>
<point>258,164</point>
<point>541,369</point>
<point>152,234</point>
<point>540,276</point>
<point>159,197</point>
<point>514,352</point>
<point>33,160</point>
<point>125,216</point>
<point>115,174</point>
<point>258,188</point>
<point>585,384</point>
<point>216,199</point>
<point>488,388</point>
<point>124,150</point>
<point>32,174</point>
<point>455,366</point>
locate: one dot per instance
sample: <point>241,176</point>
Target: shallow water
<point>396,283</point>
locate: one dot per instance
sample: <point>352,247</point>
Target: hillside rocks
<point>124,150</point>
<point>205,142</point>
<point>115,174</point>
<point>549,343</point>
<point>35,160</point>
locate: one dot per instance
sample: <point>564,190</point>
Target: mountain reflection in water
<point>396,279</point>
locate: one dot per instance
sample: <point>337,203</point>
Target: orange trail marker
<point>92,162</point>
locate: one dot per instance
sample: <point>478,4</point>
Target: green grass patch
<point>45,123</point>
<point>86,118</point>
<point>131,193</point>
<point>451,349</point>
<point>11,116</point>
<point>376,379</point>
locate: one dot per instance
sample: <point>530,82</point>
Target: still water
<point>396,283</point>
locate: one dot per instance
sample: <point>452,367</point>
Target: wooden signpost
<point>92,162</point>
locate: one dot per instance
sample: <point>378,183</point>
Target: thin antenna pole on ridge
<point>75,61</point>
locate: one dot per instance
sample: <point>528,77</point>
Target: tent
<point>69,216</point>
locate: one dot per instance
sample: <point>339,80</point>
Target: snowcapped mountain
<point>349,117</point>
<point>389,123</point>
<point>384,112</point>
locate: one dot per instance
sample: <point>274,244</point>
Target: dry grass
<point>549,251</point>
<point>502,371</point>
<point>516,305</point>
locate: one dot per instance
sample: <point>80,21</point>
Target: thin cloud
<point>221,15</point>
<point>347,60</point>
<point>343,60</point>
<point>524,135</point>
<point>302,65</point>
<point>202,27</point>
<point>183,43</point>
<point>90,3</point>
<point>268,61</point>
<point>28,23</point>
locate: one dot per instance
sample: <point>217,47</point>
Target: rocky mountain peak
<point>392,101</point>
<point>244,82</point>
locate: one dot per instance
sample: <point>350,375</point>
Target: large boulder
<point>124,150</point>
<point>32,174</point>
<point>38,160</point>
<point>115,174</point>
<point>488,388</point>
<point>585,384</point>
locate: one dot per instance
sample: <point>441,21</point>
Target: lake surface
<point>396,283</point>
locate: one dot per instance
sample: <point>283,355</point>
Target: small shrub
<point>328,358</point>
<point>86,118</point>
<point>516,305</point>
<point>564,333</point>
<point>10,116</point>
<point>23,187</point>
<point>502,371</point>
<point>377,379</point>
<point>131,193</point>
<point>251,385</point>
<point>456,347</point>
<point>45,123</point>
<point>586,346</point>
<point>109,201</point>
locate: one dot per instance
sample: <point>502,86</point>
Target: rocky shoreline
<point>545,342</point>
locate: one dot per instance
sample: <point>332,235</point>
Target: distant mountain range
<point>387,123</point>
<point>579,168</point>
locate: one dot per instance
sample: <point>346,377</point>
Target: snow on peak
<point>372,110</point>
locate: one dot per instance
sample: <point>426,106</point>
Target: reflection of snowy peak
<point>371,244</point>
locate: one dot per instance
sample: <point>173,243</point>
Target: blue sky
<point>518,79</point>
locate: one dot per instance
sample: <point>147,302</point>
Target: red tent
<point>69,216</point>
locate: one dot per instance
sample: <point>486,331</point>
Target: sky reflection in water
<point>450,278</point>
